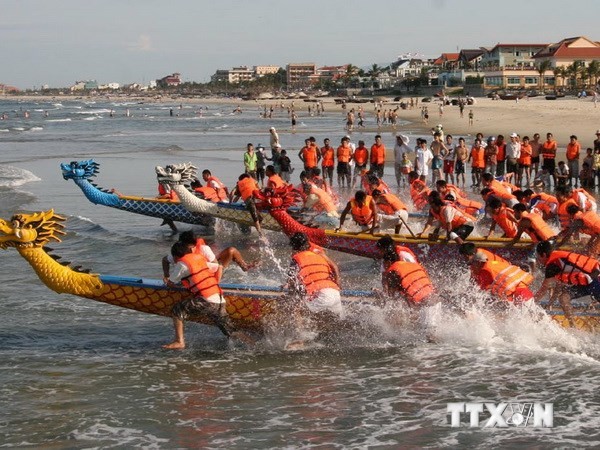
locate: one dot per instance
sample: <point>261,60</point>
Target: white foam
<point>36,129</point>
<point>59,120</point>
<point>11,176</point>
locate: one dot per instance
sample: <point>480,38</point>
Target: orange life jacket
<point>563,216</point>
<point>327,156</point>
<point>162,190</point>
<point>209,193</point>
<point>549,149</point>
<point>246,187</point>
<point>415,282</point>
<point>502,218</point>
<point>573,150</point>
<point>275,182</point>
<point>377,154</point>
<point>391,204</point>
<point>525,157</point>
<point>310,157</point>
<point>576,269</point>
<point>221,190</point>
<point>381,187</point>
<point>343,154</point>
<point>591,222</point>
<point>314,272</point>
<point>478,158</point>
<point>506,278</point>
<point>547,205</point>
<point>362,215</point>
<point>490,255</point>
<point>460,217</point>
<point>539,230</point>
<point>501,155</point>
<point>201,281</point>
<point>361,155</point>
<point>419,192</point>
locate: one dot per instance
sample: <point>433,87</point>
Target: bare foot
<point>174,345</point>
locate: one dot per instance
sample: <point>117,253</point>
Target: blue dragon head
<point>79,169</point>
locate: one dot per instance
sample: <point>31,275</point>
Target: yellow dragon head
<point>31,230</point>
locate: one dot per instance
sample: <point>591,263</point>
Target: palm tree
<point>351,72</point>
<point>541,69</point>
<point>593,71</point>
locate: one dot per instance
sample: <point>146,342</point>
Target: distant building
<point>170,80</point>
<point>234,75</point>
<point>260,71</point>
<point>84,85</point>
<point>331,73</point>
<point>5,89</point>
<point>510,56</point>
<point>447,61</point>
<point>470,58</point>
<point>299,74</point>
<point>567,51</point>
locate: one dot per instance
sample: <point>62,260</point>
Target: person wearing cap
<point>505,281</point>
<point>513,153</point>
<point>400,148</point>
<point>597,141</point>
<point>260,164</point>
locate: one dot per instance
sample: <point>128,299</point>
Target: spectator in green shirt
<point>250,161</point>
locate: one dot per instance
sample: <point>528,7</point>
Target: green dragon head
<point>31,230</point>
<point>183,173</point>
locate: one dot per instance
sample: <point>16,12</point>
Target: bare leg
<point>233,254</point>
<point>565,302</point>
<point>179,342</point>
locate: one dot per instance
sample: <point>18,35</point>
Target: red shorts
<point>448,166</point>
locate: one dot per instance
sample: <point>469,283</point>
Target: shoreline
<point>561,117</point>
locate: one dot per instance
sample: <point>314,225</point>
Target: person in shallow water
<point>567,275</point>
<point>405,280</point>
<point>193,271</point>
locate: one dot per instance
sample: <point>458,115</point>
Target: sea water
<point>77,374</point>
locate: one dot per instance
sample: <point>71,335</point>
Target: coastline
<point>562,117</point>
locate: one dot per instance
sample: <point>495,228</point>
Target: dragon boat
<point>180,175</point>
<point>248,306</point>
<point>364,244</point>
<point>81,172</point>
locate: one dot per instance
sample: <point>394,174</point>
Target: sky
<point>59,42</point>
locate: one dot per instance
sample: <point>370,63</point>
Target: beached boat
<point>249,307</point>
<point>81,172</point>
<point>512,96</point>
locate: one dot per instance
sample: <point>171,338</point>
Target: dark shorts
<point>463,231</point>
<point>343,168</point>
<point>524,166</point>
<point>592,289</point>
<point>535,160</point>
<point>460,167</point>
<point>260,173</point>
<point>251,207</point>
<point>198,306</point>
<point>476,170</point>
<point>327,170</point>
<point>549,165</point>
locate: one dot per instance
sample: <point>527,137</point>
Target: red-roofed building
<point>567,51</point>
<point>447,61</point>
<point>170,80</point>
<point>6,89</point>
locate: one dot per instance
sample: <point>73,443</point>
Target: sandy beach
<point>562,117</point>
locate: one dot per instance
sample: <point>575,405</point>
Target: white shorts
<point>327,299</point>
<point>391,220</point>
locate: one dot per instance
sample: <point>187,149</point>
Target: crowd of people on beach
<point>514,178</point>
